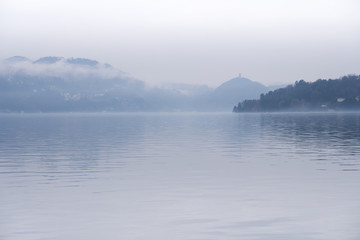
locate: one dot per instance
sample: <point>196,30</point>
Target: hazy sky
<point>191,41</point>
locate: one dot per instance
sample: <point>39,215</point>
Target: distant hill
<point>48,60</point>
<point>58,84</point>
<point>222,98</point>
<point>16,59</point>
<point>53,84</point>
<point>322,95</point>
<point>277,86</point>
<point>82,61</point>
<point>235,90</point>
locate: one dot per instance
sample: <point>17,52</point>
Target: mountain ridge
<point>80,84</point>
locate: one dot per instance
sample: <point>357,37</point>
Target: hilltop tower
<point>239,75</point>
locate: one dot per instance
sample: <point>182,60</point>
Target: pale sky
<point>191,41</point>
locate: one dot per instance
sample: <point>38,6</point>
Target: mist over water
<point>180,176</point>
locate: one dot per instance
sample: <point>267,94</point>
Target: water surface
<point>180,176</point>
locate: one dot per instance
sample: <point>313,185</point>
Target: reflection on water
<point>180,176</point>
<point>333,137</point>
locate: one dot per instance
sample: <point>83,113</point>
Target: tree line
<point>321,95</point>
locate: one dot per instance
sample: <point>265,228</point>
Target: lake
<point>180,176</point>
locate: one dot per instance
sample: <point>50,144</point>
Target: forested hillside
<point>331,94</point>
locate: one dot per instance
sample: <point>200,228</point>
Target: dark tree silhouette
<point>331,94</point>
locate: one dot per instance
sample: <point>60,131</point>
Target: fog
<point>196,42</point>
<point>61,67</point>
<point>53,84</point>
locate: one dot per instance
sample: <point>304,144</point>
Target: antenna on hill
<point>239,75</point>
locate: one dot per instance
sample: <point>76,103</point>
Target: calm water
<point>180,176</point>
